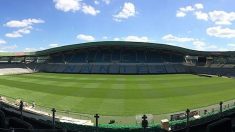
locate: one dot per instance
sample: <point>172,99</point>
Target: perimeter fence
<point>175,120</point>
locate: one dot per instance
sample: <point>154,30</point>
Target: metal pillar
<point>187,122</point>
<point>21,109</point>
<point>144,122</point>
<point>221,107</point>
<point>53,117</point>
<point>96,121</point>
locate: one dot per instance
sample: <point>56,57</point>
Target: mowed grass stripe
<point>87,91</point>
<point>111,77</point>
<point>69,91</point>
<point>46,88</point>
<point>162,84</point>
<point>118,94</point>
<point>128,79</point>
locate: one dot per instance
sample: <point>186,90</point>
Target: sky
<point>32,25</point>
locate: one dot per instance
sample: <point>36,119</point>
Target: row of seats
<point>135,69</point>
<point>13,122</point>
<point>116,56</point>
<point>113,68</point>
<point>223,71</point>
<point>222,125</point>
<point>118,68</point>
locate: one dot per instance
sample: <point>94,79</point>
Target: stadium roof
<point>120,43</point>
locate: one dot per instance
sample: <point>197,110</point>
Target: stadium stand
<point>114,69</point>
<point>142,68</point>
<point>224,125</point>
<point>6,69</point>
<point>14,122</point>
<point>119,58</point>
<point>170,68</point>
<point>2,119</point>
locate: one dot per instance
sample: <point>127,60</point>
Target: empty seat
<point>114,68</point>
<point>2,119</point>
<point>14,122</point>
<point>224,125</point>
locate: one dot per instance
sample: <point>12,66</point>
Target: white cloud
<point>137,38</point>
<point>85,37</point>
<point>128,10</point>
<point>25,30</point>
<point>68,5</point>
<point>180,14</point>
<point>2,41</point>
<point>23,23</point>
<point>201,16</point>
<point>223,49</point>
<point>9,47</point>
<point>217,17</point>
<point>231,45</point>
<point>212,47</point>
<point>221,32</point>
<point>222,17</point>
<point>106,1</point>
<point>187,9</point>
<point>116,39</point>
<point>76,5</point>
<point>87,9</point>
<point>104,37</point>
<point>199,6</point>
<point>172,38</point>
<point>42,48</point>
<point>53,45</point>
<point>96,2</point>
<point>19,33</point>
<point>13,35</point>
<point>196,43</point>
<point>199,45</point>
<point>30,49</point>
<point>132,38</point>
<point>35,49</point>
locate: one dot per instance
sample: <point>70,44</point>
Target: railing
<point>61,115</point>
<point>200,114</point>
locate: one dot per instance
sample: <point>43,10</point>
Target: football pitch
<point>122,95</point>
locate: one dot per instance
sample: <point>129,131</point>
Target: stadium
<point>121,83</point>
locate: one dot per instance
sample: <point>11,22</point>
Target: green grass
<point>118,94</point>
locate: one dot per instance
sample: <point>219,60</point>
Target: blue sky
<point>29,25</point>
